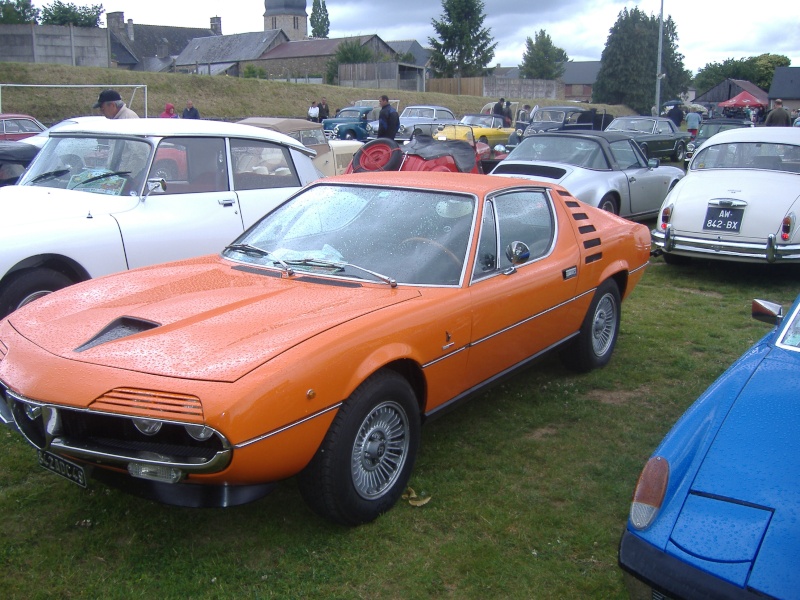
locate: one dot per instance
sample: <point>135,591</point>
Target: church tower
<point>289,15</point>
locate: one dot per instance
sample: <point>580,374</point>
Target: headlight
<point>199,432</point>
<point>336,129</point>
<point>690,147</point>
<point>147,426</point>
<point>649,493</point>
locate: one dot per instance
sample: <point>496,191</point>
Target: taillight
<point>649,493</point>
<point>786,227</point>
<point>666,213</point>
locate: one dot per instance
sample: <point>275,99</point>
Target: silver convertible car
<point>602,169</point>
<point>739,201</point>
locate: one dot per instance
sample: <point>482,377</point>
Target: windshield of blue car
<point>549,116</point>
<point>631,124</point>
<point>412,236</point>
<point>112,166</point>
<point>577,151</point>
<point>791,332</point>
<point>748,155</point>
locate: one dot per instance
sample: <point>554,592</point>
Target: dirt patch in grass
<point>542,432</point>
<point>618,397</point>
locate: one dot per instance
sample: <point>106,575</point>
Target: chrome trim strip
<point>637,269</point>
<point>448,355</point>
<point>711,248</point>
<point>289,426</point>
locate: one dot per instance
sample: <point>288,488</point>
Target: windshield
<point>575,151</point>
<point>706,131</point>
<point>748,155</point>
<point>369,233</point>
<point>113,166</point>
<point>309,137</point>
<point>632,124</point>
<point>482,121</point>
<point>418,112</point>
<point>549,116</point>
<point>791,335</point>
<point>349,113</point>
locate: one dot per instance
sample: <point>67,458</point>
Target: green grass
<point>529,483</point>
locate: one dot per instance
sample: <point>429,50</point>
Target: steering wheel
<point>437,245</point>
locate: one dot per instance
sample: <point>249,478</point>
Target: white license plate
<point>61,466</point>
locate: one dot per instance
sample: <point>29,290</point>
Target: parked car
<point>738,200</point>
<point>658,137</point>
<point>18,127</point>
<point>486,129</point>
<point>711,127</point>
<point>318,342</point>
<point>601,168</point>
<point>350,123</point>
<point>566,118</point>
<point>716,509</point>
<point>14,159</point>
<point>415,115</point>
<point>333,156</point>
<point>92,202</point>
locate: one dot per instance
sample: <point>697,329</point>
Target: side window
<point>191,165</point>
<point>261,165</point>
<point>625,155</point>
<point>524,217</point>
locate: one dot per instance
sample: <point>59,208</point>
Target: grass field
<point>529,484</point>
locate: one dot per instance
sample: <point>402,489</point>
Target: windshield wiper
<point>250,249</point>
<point>50,175</point>
<point>341,266</point>
<point>102,176</point>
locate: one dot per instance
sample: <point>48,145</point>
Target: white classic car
<point>739,201</point>
<point>92,201</point>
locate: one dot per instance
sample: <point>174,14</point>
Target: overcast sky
<point>707,32</point>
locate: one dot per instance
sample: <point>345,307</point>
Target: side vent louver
<point>117,329</point>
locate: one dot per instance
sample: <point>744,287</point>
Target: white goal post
<point>133,87</point>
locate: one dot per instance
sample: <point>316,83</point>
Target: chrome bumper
<point>770,251</point>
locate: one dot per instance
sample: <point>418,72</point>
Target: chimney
<point>115,20</point>
<point>130,29</point>
<point>216,25</point>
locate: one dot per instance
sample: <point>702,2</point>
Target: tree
<point>17,12</point>
<point>755,69</point>
<point>466,47</point>
<point>61,13</point>
<point>349,52</point>
<point>320,23</point>
<point>542,59</point>
<point>628,64</point>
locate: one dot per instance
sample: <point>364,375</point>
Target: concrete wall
<point>59,44</point>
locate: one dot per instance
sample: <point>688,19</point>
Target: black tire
<point>679,154</point>
<point>364,463</point>
<point>349,135</point>
<point>483,140</point>
<point>595,343</point>
<point>609,203</point>
<point>677,260</point>
<point>25,286</point>
<point>382,154</point>
<point>165,170</point>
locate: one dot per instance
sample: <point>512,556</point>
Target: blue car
<point>716,510</point>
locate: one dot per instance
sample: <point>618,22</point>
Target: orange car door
<point>520,310</point>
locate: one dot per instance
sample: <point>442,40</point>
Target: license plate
<point>61,466</point>
<point>720,218</point>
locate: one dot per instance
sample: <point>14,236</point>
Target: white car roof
<point>169,127</point>
<point>772,135</point>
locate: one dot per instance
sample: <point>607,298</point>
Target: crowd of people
<point>112,106</point>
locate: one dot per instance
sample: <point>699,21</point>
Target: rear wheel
<point>609,203</point>
<point>679,154</point>
<point>598,335</point>
<point>25,286</point>
<point>364,463</point>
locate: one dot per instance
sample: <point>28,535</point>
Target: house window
<point>297,22</point>
<point>274,22</point>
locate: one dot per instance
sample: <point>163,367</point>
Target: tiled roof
<point>229,48</point>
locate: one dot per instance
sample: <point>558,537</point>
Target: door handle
<point>226,201</point>
<point>632,180</point>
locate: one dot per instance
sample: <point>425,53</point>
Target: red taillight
<point>786,228</point>
<point>649,493</point>
<point>666,213</point>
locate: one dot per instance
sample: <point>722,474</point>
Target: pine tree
<point>320,23</point>
<point>542,59</point>
<point>628,64</point>
<point>466,47</point>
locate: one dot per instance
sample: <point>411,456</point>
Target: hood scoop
<point>117,329</point>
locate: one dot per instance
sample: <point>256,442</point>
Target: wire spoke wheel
<point>604,326</point>
<point>379,450</point>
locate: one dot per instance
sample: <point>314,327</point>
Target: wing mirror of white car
<point>156,183</point>
<point>654,163</point>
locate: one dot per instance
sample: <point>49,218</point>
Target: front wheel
<point>349,135</point>
<point>598,335</point>
<point>364,463</point>
<point>679,154</point>
<point>25,286</point>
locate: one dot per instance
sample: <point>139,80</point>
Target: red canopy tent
<point>742,100</point>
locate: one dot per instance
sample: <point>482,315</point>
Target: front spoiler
<point>770,251</point>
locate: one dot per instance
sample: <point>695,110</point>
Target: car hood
<point>743,513</point>
<point>769,197</point>
<point>21,204</point>
<point>204,318</point>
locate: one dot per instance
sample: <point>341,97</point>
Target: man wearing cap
<point>111,105</point>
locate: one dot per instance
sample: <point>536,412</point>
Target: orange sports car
<point>318,342</point>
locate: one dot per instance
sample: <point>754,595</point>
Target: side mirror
<point>767,312</point>
<point>154,184</point>
<point>654,163</point>
<point>518,253</point>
